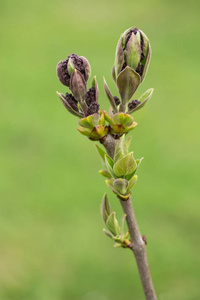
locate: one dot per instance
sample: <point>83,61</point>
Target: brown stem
<point>138,245</point>
<point>109,143</point>
<point>139,249</point>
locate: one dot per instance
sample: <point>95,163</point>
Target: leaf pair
<point>114,231</point>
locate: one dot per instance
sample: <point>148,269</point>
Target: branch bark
<point>138,245</point>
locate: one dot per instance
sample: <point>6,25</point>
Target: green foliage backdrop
<point>51,241</point>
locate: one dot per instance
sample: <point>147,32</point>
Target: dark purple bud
<point>133,104</point>
<point>90,96</point>
<point>117,101</point>
<point>140,69</point>
<point>71,101</point>
<point>92,109</point>
<point>66,67</point>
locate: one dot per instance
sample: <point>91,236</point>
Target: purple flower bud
<point>90,96</point>
<point>64,69</point>
<point>116,99</point>
<point>92,109</point>
<point>133,104</point>
<point>133,50</point>
<point>71,101</point>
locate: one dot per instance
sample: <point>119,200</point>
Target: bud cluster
<point>132,58</point>
<point>74,73</point>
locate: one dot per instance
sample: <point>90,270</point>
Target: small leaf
<point>102,118</point>
<point>126,165</point>
<point>101,152</point>
<point>132,182</point>
<point>121,149</point>
<point>108,233</point>
<point>123,222</point>
<point>84,131</point>
<point>147,60</point>
<point>99,131</point>
<point>133,52</point>
<point>127,129</point>
<point>109,163</point>
<point>127,82</point>
<point>143,99</point>
<point>113,74</point>
<point>112,224</point>
<point>90,121</point>
<point>117,245</point>
<point>138,161</point>
<point>109,96</point>
<point>105,208</point>
<point>108,118</point>
<point>68,107</point>
<point>109,159</point>
<point>95,85</point>
<point>119,56</point>
<point>128,142</point>
<point>105,173</point>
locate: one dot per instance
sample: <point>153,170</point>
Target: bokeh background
<point>51,241</point>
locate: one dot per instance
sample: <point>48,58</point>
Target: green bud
<point>133,50</point>
<point>105,173</point>
<point>120,123</point>
<point>121,185</point>
<point>132,58</point>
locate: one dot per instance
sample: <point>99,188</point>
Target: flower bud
<point>66,67</point>
<point>133,104</point>
<point>133,50</point>
<point>93,108</point>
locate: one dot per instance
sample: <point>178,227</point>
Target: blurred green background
<point>51,241</point>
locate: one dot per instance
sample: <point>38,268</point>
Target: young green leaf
<point>132,182</point>
<point>127,82</point>
<point>126,165</point>
<point>121,149</point>
<point>112,224</point>
<point>101,151</point>
<point>105,208</point>
<point>105,173</point>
